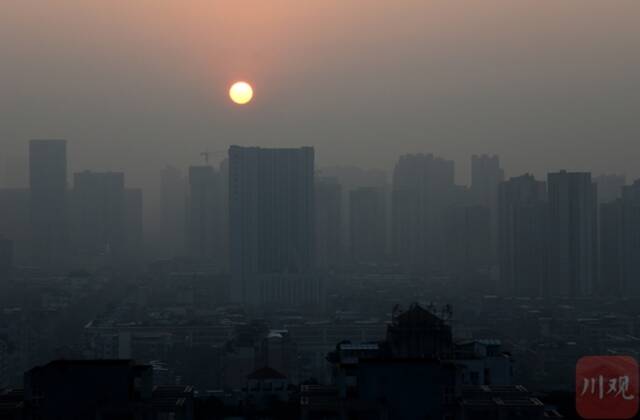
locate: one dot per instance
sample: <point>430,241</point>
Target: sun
<point>241,93</point>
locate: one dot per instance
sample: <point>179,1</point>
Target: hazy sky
<point>135,84</point>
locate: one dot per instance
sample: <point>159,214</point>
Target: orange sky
<point>547,84</point>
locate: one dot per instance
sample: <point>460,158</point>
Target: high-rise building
<point>467,244</point>
<point>205,235</point>
<point>423,188</point>
<point>271,213</point>
<point>630,240</point>
<point>573,229</point>
<point>350,178</point>
<point>223,214</point>
<point>522,239</point>
<point>173,217</point>
<point>609,187</point>
<point>611,236</point>
<point>328,213</point>
<point>99,214</point>
<point>48,203</point>
<point>133,224</point>
<point>368,224</point>
<point>486,175</point>
<point>620,244</point>
<point>613,230</point>
<point>15,221</point>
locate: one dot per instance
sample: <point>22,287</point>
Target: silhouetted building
<point>416,372</point>
<point>522,239</point>
<point>406,393</point>
<point>407,376</point>
<point>133,224</point>
<point>419,333</point>
<point>100,390</point>
<point>486,175</point>
<point>204,232</point>
<point>89,389</point>
<point>11,404</point>
<point>224,214</point>
<point>619,245</point>
<point>173,214</point>
<point>609,187</point>
<point>468,244</point>
<point>572,244</point>
<point>99,215</point>
<point>279,351</point>
<point>351,177</point>
<point>368,227</point>
<point>423,188</point>
<point>200,208</point>
<point>272,223</point>
<point>15,221</point>
<point>611,247</point>
<point>482,362</point>
<point>48,185</point>
<point>328,213</point>
<point>630,240</point>
<point>266,386</point>
<point>207,214</point>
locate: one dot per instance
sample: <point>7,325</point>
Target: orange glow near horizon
<point>241,93</point>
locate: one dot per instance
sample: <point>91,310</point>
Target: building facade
<point>522,248</point>
<point>203,213</point>
<point>573,231</point>
<point>173,215</point>
<point>48,201</point>
<point>99,214</point>
<point>271,215</point>
<point>486,176</point>
<point>423,188</point>
<point>630,240</point>
<point>367,225</point>
<point>328,213</point>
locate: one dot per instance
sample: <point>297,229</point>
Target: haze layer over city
<point>319,209</point>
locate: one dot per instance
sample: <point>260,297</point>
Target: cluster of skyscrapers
<point>276,225</point>
<point>95,223</point>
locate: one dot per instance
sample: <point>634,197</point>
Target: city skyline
<point>319,209</point>
<point>263,212</point>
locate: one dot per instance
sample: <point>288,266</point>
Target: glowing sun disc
<point>241,93</point>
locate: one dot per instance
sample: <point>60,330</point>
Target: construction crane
<point>207,155</point>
